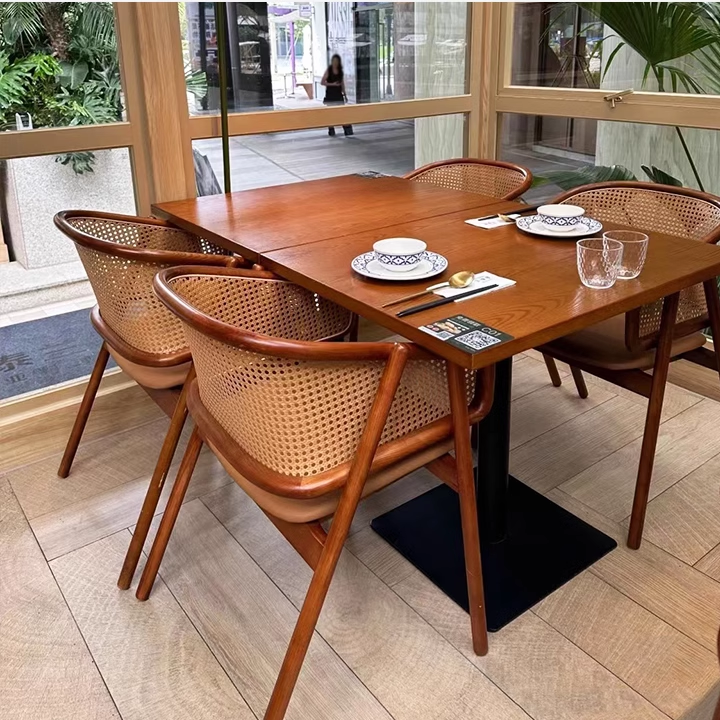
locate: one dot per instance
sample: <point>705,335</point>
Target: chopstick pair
<point>444,301</point>
<point>520,211</point>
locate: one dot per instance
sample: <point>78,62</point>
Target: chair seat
<point>296,510</point>
<point>156,378</point>
<point>603,346</point>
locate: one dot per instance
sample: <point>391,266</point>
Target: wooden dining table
<point>530,546</point>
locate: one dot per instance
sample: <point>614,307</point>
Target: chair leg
<point>468,508</point>
<point>354,327</point>
<point>652,420</point>
<point>84,411</point>
<point>157,482</point>
<point>170,515</point>
<point>320,583</point>
<point>579,382</point>
<point>713,303</point>
<point>555,378</point>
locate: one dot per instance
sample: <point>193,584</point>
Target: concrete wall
<point>38,187</point>
<point>441,34</point>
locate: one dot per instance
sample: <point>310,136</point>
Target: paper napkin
<point>492,222</point>
<point>481,279</point>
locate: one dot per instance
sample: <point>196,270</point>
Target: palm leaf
<point>569,179</point>
<point>21,22</point>
<point>657,175</point>
<point>196,82</point>
<point>96,21</point>
<point>709,57</point>
<point>658,32</point>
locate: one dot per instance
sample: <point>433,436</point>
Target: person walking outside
<point>334,82</point>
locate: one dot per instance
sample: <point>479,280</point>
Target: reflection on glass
<point>391,148</point>
<point>59,67</point>
<point>279,52</point>
<point>568,152</point>
<point>617,46</point>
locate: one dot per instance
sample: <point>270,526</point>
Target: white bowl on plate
<point>399,254</point>
<point>561,218</point>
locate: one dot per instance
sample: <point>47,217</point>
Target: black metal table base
<point>544,547</point>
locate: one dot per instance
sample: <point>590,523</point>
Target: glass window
<point>45,333</point>
<point>618,46</point>
<point>393,147</point>
<point>58,65</point>
<point>567,152</point>
<point>278,53</point>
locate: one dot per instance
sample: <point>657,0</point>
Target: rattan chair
<point>121,255</point>
<point>307,429</point>
<point>494,178</point>
<point>623,348</point>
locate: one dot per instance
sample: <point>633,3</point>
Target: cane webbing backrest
<point>500,181</point>
<point>123,286</point>
<point>296,417</point>
<point>663,211</point>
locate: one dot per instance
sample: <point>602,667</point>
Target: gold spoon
<point>459,280</point>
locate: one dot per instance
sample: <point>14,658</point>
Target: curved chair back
<point>665,209</point>
<point>494,178</point>
<point>297,406</point>
<point>121,255</point>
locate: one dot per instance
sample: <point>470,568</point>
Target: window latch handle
<point>617,97</point>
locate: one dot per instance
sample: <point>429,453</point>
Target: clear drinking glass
<point>598,260</point>
<point>635,246</point>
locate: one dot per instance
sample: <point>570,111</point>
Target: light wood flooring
<point>632,638</point>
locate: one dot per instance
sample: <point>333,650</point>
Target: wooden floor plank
<point>663,665</point>
<point>547,408</point>
<point>99,466</point>
<point>696,378</point>
<point>676,399</point>
<point>38,437</point>
<point>710,563</point>
<point>408,666</point>
<point>247,622</point>
<point>681,595</point>
<point>46,671</point>
<point>153,660</point>
<point>96,517</point>
<point>685,442</point>
<point>685,519</point>
<point>529,375</point>
<point>566,451</point>
<point>532,662</point>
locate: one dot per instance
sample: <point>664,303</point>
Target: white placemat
<point>482,278</point>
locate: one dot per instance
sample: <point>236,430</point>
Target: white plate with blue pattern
<point>431,265</point>
<point>533,225</point>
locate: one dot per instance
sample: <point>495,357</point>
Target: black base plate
<point>545,547</point>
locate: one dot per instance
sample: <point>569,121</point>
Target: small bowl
<point>560,218</point>
<point>399,254</point>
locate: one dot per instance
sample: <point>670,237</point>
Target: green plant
<point>661,33</point>
<point>58,64</point>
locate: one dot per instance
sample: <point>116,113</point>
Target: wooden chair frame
<point>653,388</point>
<point>319,549</point>
<point>637,380</point>
<point>173,401</point>
<point>523,188</point>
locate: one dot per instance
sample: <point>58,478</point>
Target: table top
<point>547,302</point>
<point>253,222</point>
